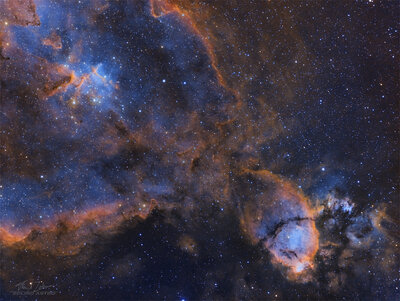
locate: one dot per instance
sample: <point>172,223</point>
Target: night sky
<point>199,150</point>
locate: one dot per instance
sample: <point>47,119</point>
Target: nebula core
<point>199,150</point>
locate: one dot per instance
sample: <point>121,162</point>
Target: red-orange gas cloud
<point>280,217</point>
<point>66,234</point>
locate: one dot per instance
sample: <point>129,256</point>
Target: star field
<point>198,150</point>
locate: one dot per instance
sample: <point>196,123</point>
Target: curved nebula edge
<point>104,145</point>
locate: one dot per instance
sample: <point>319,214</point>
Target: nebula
<point>281,218</point>
<point>192,150</point>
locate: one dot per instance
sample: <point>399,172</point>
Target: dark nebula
<point>199,150</point>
